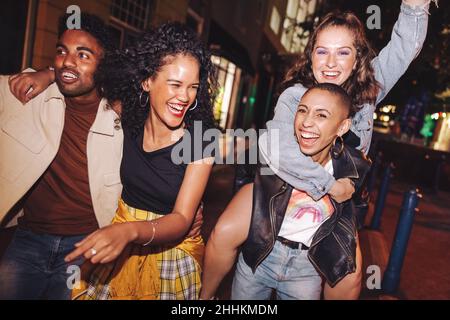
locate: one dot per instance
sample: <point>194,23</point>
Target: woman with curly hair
<point>164,86</point>
<point>337,52</point>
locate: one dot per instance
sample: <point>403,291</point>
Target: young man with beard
<point>59,161</point>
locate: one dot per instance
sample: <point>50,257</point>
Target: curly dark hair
<point>93,25</point>
<point>122,72</point>
<point>361,85</point>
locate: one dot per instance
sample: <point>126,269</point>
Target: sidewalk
<point>425,273</point>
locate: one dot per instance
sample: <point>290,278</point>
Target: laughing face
<point>319,120</point>
<point>77,57</point>
<point>334,55</point>
<point>173,90</point>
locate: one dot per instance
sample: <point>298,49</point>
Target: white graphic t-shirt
<point>304,215</point>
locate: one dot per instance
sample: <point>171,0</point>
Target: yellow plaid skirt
<point>152,272</point>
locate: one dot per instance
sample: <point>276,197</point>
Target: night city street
<point>338,112</point>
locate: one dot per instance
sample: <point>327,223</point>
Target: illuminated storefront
<point>441,136</point>
<point>228,77</point>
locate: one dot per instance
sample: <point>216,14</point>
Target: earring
<point>195,106</point>
<point>143,105</point>
<point>337,147</point>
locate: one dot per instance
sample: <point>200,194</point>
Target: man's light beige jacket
<point>29,140</point>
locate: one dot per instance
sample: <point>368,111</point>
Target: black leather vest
<point>333,248</point>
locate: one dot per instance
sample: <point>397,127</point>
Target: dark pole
<point>391,278</point>
<point>381,199</point>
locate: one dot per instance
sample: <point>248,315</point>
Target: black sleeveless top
<point>151,180</point>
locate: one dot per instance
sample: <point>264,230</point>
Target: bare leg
<point>229,233</point>
<point>350,286</point>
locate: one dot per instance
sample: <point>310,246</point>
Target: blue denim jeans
<point>33,266</point>
<point>288,271</point>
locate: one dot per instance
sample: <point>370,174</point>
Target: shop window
<point>298,13</point>
<point>228,76</point>
<point>275,20</point>
<point>128,18</point>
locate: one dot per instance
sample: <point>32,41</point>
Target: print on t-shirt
<point>304,216</point>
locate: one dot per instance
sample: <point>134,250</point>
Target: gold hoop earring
<point>337,147</point>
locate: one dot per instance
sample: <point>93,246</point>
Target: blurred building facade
<point>33,24</point>
<point>248,40</point>
<point>252,38</point>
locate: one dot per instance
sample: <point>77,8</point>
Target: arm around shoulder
<point>280,150</point>
<point>30,83</point>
